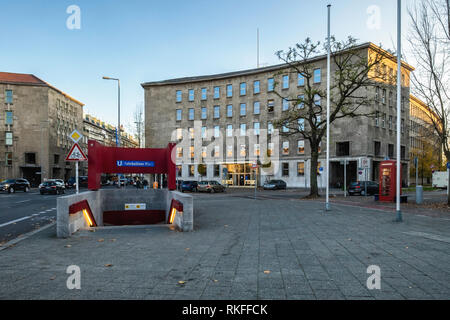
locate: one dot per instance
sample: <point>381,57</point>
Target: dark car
<point>52,187</point>
<point>359,187</point>
<point>71,183</point>
<point>13,185</point>
<point>210,186</point>
<point>275,185</point>
<point>189,186</point>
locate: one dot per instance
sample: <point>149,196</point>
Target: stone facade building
<point>223,123</point>
<point>36,119</point>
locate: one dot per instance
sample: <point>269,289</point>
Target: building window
<point>269,127</point>
<point>300,168</point>
<point>229,111</point>
<point>286,169</point>
<point>243,151</point>
<point>191,133</point>
<point>229,150</point>
<point>191,152</point>
<point>203,152</point>
<point>216,92</point>
<point>286,82</point>
<point>216,131</point>
<point>9,139</point>
<point>243,109</point>
<point>301,101</point>
<point>270,84</point>
<point>301,124</point>
<point>216,112</point>
<point>377,94</point>
<point>179,114</point>
<point>8,96</point>
<point>301,147</point>
<point>285,147</point>
<point>229,90</point>
<point>377,148</point>
<point>204,93</point>
<point>285,105</point>
<point>204,113</point>
<point>56,159</point>
<point>317,100</point>
<point>343,149</point>
<point>203,132</point>
<point>243,129</point>
<point>383,121</point>
<point>9,118</point>
<point>191,170</point>
<point>257,151</point>
<point>8,158</point>
<point>402,125</point>
<point>191,94</point>
<point>300,80</point>
<point>383,97</point>
<point>179,171</point>
<point>390,151</point>
<point>270,105</point>
<point>256,88</point>
<point>216,170</point>
<point>179,134</point>
<point>216,151</point>
<point>179,96</point>
<point>402,152</point>
<point>229,130</point>
<point>270,147</point>
<point>191,114</point>
<point>243,89</point>
<point>317,75</point>
<point>377,118</point>
<point>256,107</point>
<point>391,102</point>
<point>179,152</point>
<point>30,158</point>
<point>284,128</point>
<point>256,128</point>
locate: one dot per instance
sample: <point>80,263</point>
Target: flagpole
<point>399,94</point>
<point>327,174</point>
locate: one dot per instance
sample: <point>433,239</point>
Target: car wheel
<point>363,193</point>
<point>26,189</point>
<point>11,190</point>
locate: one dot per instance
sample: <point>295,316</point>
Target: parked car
<point>210,186</point>
<point>51,186</point>
<point>275,185</point>
<point>189,186</point>
<point>359,187</point>
<point>71,183</point>
<point>123,182</point>
<point>13,185</point>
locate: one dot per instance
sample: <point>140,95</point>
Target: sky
<point>139,41</point>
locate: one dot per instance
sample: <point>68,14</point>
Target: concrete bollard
<point>419,194</point>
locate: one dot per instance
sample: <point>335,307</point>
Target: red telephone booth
<point>388,180</point>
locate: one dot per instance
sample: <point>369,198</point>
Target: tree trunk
<point>314,190</point>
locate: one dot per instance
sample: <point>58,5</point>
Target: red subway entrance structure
<point>102,159</point>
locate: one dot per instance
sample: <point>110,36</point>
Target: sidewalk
<point>241,249</point>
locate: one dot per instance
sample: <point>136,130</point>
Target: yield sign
<point>76,154</point>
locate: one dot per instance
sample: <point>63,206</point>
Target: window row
<point>285,82</point>
<point>381,120</point>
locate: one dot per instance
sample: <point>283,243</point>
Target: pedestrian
<point>138,184</point>
<point>155,185</point>
<point>145,183</point>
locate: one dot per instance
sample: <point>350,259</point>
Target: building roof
<point>263,69</point>
<point>31,80</point>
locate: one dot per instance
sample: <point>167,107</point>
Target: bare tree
<point>350,80</point>
<point>139,124</point>
<point>430,46</point>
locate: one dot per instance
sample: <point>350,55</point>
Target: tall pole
<point>118,112</point>
<point>399,94</point>
<point>327,173</point>
<point>76,177</point>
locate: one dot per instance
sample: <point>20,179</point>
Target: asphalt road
<point>22,212</point>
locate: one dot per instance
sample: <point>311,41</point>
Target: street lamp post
<point>399,94</point>
<point>118,109</point>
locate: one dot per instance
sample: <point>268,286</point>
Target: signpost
<point>255,167</point>
<point>365,165</point>
<point>76,154</point>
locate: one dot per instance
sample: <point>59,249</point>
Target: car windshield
<point>273,182</point>
<point>49,183</point>
<point>8,181</point>
<point>353,184</point>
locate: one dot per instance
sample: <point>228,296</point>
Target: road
<point>22,212</point>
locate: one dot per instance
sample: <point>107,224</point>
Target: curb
<point>10,243</point>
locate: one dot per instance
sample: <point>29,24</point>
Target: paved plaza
<point>242,248</point>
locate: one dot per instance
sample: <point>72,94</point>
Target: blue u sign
<point>127,163</point>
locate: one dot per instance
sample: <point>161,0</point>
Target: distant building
<point>424,141</point>
<point>104,133</point>
<point>36,120</point>
<point>228,120</point>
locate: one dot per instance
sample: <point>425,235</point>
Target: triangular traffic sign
<point>76,154</point>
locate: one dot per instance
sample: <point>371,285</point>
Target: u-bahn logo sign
<point>126,163</point>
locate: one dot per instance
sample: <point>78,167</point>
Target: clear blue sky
<point>147,40</point>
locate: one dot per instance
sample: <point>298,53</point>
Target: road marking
<point>23,201</point>
<point>428,236</point>
<point>14,221</point>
